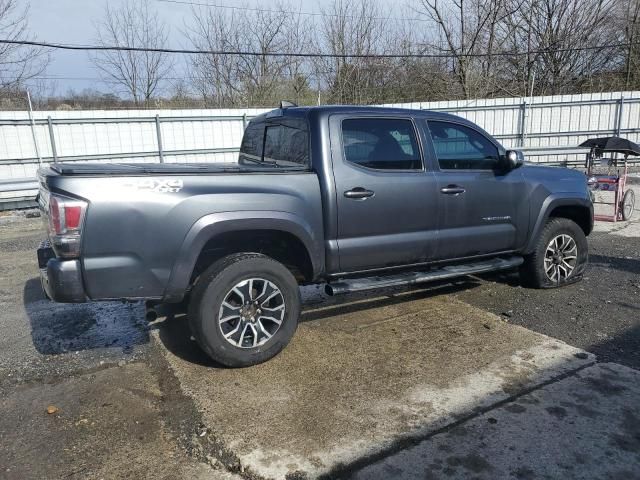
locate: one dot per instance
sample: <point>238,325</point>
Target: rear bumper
<point>61,279</point>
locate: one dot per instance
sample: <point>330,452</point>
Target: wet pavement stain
<point>515,408</point>
<point>629,439</point>
<point>59,328</point>
<point>524,473</point>
<point>393,472</point>
<point>557,412</point>
<point>472,462</point>
<point>605,386</point>
<point>582,410</point>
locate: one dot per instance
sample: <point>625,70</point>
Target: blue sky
<point>73,21</point>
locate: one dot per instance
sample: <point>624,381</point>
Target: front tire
<point>559,258</point>
<point>244,309</point>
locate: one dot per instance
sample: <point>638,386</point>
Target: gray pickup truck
<point>354,197</point>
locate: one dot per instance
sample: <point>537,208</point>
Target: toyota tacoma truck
<point>356,198</point>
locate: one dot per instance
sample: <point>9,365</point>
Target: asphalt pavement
<point>601,314</point>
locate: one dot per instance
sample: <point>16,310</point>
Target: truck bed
<point>83,168</point>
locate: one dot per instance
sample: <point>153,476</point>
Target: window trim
<point>498,147</point>
<point>421,157</point>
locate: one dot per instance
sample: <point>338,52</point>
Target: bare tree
<point>417,79</point>
<point>484,48</point>
<point>18,63</point>
<point>229,79</point>
<point>546,32</point>
<point>632,38</point>
<point>214,76</point>
<point>355,27</point>
<point>467,31</point>
<point>139,74</point>
<point>261,74</point>
<point>298,70</point>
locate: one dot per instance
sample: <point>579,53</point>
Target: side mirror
<point>514,159</point>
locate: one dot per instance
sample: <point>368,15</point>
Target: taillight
<point>72,216</point>
<point>65,224</point>
<point>54,216</point>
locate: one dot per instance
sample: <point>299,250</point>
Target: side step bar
<point>410,278</point>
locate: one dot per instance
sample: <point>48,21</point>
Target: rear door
<point>386,198</point>
<point>481,204</point>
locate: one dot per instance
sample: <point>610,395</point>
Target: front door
<point>481,204</point>
<point>386,199</point>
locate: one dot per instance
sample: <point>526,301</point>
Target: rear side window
<point>381,143</point>
<point>462,148</point>
<point>252,142</point>
<point>287,144</point>
<point>284,142</point>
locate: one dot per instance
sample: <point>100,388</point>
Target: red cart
<point>623,198</point>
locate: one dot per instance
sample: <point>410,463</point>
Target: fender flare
<point>214,224</point>
<point>568,199</point>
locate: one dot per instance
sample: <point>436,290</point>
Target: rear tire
<point>559,258</point>
<point>244,309</point>
<point>628,205</point>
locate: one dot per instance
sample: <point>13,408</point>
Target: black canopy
<point>613,144</point>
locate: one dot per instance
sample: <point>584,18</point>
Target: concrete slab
<point>585,426</point>
<point>362,377</point>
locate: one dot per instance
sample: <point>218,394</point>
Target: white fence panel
<point>547,128</point>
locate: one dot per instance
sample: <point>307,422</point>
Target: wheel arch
<point>572,206</point>
<point>280,235</point>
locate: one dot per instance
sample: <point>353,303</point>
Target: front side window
<point>381,143</point>
<point>462,148</point>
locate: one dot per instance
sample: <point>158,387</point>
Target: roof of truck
<point>329,109</point>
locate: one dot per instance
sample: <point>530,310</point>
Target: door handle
<point>359,192</point>
<point>452,190</point>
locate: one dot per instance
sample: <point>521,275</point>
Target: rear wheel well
<point>580,215</point>
<point>284,247</point>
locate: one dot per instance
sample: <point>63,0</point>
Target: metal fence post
<point>523,123</point>
<point>244,121</point>
<point>52,139</point>
<point>33,129</point>
<point>159,134</point>
<point>618,126</point>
